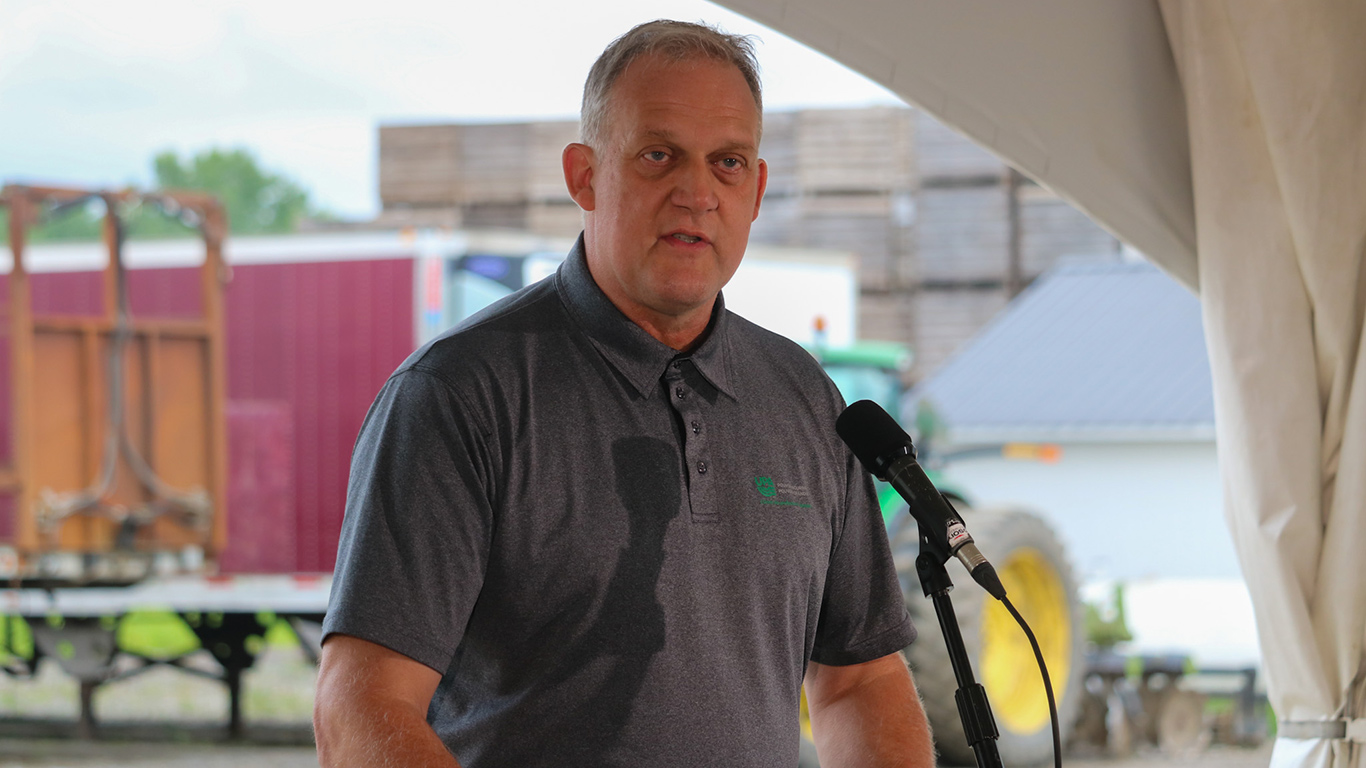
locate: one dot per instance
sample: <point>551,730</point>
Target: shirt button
<point>680,392</point>
<point>677,365</point>
<point>696,428</point>
<point>701,467</point>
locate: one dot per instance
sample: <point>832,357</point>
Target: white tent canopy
<point>1226,139</point>
<point>1082,95</point>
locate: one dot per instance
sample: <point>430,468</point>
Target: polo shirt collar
<point>637,355</point>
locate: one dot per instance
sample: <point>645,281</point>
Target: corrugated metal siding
<point>165,293</point>
<point>65,293</point>
<point>319,337</point>
<point>322,337</point>
<point>261,528</point>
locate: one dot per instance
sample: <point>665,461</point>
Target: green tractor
<point>1032,566</point>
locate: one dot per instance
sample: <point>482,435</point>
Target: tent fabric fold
<point>1080,95</point>
<point>1277,126</point>
<point>1231,129</point>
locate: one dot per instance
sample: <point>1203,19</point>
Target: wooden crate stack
<point>945,234</point>
<point>477,176</point>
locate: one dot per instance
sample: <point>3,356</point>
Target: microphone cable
<point>1047,684</point>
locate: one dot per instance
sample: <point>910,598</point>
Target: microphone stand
<point>978,724</point>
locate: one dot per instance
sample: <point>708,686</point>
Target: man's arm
<point>868,715</point>
<point>371,708</point>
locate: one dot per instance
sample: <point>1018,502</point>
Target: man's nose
<point>695,187</point>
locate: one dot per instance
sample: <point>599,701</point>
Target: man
<point>605,522</point>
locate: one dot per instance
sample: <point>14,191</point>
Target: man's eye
<point>657,156</point>
<point>732,163</point>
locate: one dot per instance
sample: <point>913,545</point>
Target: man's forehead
<point>668,136</point>
<point>653,101</point>
<point>656,64</point>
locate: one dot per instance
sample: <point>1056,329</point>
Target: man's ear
<point>578,160</point>
<point>763,184</point>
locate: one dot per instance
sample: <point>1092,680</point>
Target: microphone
<point>885,450</point>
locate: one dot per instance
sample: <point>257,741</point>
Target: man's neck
<point>681,334</point>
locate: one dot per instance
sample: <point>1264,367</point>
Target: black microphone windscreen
<point>873,435</point>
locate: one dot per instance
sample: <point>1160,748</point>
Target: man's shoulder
<point>771,359</point>
<point>751,339</point>
<point>499,334</point>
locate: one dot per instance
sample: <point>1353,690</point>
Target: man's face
<point>673,189</point>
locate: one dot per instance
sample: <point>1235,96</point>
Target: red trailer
<point>311,325</point>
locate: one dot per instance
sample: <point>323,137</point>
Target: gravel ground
<point>278,689</point>
<point>50,754</point>
<point>147,720</point>
<point>76,754</point>
<point>1215,757</point>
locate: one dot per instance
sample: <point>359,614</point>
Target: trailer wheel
<point>1034,569</point>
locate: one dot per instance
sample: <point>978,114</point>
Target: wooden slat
<point>940,152</point>
<point>544,174</point>
<point>419,165</point>
<point>945,320</point>
<point>779,150</point>
<point>962,234</point>
<point>1054,231</point>
<point>555,219</point>
<point>192,329</point>
<point>212,281</point>
<point>493,161</point>
<point>855,150</point>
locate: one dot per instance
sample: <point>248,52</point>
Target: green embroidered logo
<point>782,494</point>
<point>766,487</point>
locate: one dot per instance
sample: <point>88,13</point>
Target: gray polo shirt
<point>616,554</point>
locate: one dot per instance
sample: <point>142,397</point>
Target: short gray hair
<point>674,40</point>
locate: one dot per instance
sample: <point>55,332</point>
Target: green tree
<point>257,201</point>
<point>82,222</point>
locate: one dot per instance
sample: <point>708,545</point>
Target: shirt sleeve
<point>416,534</point>
<point>863,615</point>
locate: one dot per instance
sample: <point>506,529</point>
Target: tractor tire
<point>1039,582</point>
<point>806,754</point>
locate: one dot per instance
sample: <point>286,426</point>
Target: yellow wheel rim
<point>806,720</point>
<point>1009,672</point>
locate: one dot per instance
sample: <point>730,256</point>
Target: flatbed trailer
<point>76,627</point>
<point>176,420</point>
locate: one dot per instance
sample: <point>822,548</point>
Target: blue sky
<point>89,91</point>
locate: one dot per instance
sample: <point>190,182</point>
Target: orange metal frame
<point>174,396</point>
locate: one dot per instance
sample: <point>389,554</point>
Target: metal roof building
<point>1089,353</point>
<point>1107,363</point>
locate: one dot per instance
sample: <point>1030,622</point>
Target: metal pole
<point>973,708</point>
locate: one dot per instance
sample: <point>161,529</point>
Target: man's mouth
<point>686,238</point>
